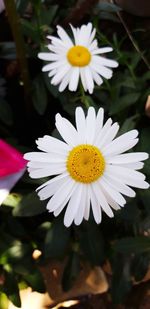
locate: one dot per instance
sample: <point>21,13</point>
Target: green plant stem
<point>20,48</point>
<point>37,10</point>
<point>83,97</point>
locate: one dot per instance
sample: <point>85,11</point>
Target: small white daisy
<point>71,61</point>
<point>91,170</point>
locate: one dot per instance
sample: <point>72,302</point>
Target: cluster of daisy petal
<point>71,61</point>
<point>92,171</point>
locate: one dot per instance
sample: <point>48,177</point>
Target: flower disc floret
<point>85,163</point>
<point>79,56</point>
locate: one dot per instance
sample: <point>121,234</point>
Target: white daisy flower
<point>92,170</point>
<point>71,61</point>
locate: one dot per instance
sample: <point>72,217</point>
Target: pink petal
<point>11,160</point>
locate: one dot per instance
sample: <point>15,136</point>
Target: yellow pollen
<point>79,56</point>
<point>85,163</point>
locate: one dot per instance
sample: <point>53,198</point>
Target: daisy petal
<point>96,77</point>
<point>83,79</point>
<point>97,213</point>
<point>51,188</point>
<point>81,125</point>
<point>43,157</point>
<point>128,158</point>
<point>118,185</point>
<point>80,214</point>
<point>64,193</point>
<point>87,208</point>
<point>101,199</point>
<point>52,145</point>
<point>63,175</point>
<point>103,131</point>
<point>64,36</point>
<point>73,205</point>
<point>65,81</point>
<point>128,176</point>
<point>109,135</point>
<point>110,201</point>
<point>134,166</point>
<point>90,125</point>
<point>121,143</point>
<point>99,120</point>
<point>55,169</point>
<point>88,79</point>
<point>60,74</point>
<point>103,71</point>
<point>105,62</point>
<point>66,130</point>
<point>102,50</point>
<point>116,196</point>
<point>74,79</point>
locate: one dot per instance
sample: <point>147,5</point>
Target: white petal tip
<point>58,117</point>
<point>146,185</point>
<point>67,224</point>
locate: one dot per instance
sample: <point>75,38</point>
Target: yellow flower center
<point>85,163</point>
<point>79,56</point>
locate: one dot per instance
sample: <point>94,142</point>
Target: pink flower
<point>12,167</point>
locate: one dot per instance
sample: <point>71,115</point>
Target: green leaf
<point>57,239</point>
<point>47,16</point>
<point>21,6</point>
<point>140,265</point>
<point>39,95</point>
<point>108,16</point>
<point>127,82</point>
<point>91,242</point>
<point>121,279</point>
<point>15,253</point>
<point>123,102</point>
<point>52,89</point>
<point>145,197</point>
<point>128,125</point>
<point>71,271</point>
<point>36,281</point>
<point>3,301</point>
<point>5,112</point>
<point>108,7</point>
<point>129,245</point>
<point>29,206</point>
<point>129,215</point>
<point>12,200</point>
<point>11,289</point>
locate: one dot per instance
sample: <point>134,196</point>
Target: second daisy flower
<point>71,61</point>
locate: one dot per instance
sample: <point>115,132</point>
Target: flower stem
<point>84,97</point>
<point>20,48</point>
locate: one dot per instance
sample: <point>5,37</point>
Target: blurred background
<point>42,263</point>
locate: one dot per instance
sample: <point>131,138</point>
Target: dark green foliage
<point>71,271</point>
<point>121,280</point>
<point>92,243</point>
<point>129,245</point>
<point>57,239</point>
<point>30,205</point>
